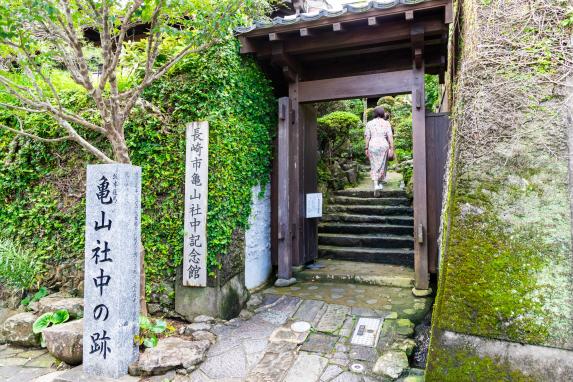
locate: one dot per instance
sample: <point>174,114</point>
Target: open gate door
<point>295,170</point>
<point>308,124</point>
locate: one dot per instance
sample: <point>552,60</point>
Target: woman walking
<point>379,146</point>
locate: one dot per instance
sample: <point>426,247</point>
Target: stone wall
<point>258,240</point>
<point>506,270</point>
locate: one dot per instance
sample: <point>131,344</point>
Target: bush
<point>341,146</point>
<point>18,270</point>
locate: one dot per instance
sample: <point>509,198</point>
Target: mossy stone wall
<point>506,266</point>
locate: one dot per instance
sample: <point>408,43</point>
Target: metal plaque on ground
<point>366,332</point>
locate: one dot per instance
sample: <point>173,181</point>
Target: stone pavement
<point>21,364</point>
<point>265,348</point>
<point>262,346</point>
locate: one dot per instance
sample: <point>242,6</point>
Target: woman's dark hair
<point>379,112</point>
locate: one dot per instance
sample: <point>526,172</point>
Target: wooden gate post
<point>284,246</point>
<point>420,196</point>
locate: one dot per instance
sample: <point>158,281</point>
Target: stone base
<point>224,301</point>
<point>537,363</point>
<point>77,375</point>
<point>283,283</point>
<point>422,292</point>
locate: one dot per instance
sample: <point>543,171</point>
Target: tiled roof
<point>347,8</point>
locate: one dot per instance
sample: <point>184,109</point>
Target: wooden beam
<point>449,13</point>
<point>417,38</point>
<point>365,86</point>
<point>284,246</point>
<point>369,50</point>
<point>409,15</point>
<point>295,178</point>
<point>337,27</point>
<point>247,45</point>
<point>355,38</point>
<point>289,67</point>
<point>305,32</point>
<point>420,185</point>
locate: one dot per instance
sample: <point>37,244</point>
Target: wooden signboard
<point>196,181</point>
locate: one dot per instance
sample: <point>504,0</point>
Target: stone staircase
<point>360,225</point>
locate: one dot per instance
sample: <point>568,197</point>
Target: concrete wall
<point>258,240</point>
<point>506,271</point>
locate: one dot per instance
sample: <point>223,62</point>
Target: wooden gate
<point>437,143</point>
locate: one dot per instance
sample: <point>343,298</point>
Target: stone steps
<point>365,228</point>
<point>338,271</point>
<point>397,256</point>
<point>383,241</point>
<point>371,194</point>
<point>382,201</point>
<point>369,226</point>
<point>339,217</point>
<point>370,210</point>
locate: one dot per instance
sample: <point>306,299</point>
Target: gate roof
<point>375,37</point>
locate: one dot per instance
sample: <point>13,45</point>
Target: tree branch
<point>33,136</point>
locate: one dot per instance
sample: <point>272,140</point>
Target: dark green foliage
<point>354,106</point>
<point>432,88</point>
<point>341,144</point>
<point>41,293</point>
<point>42,185</point>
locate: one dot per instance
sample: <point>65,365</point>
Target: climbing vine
<point>42,184</point>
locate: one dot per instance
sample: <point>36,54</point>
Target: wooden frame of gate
<point>365,54</point>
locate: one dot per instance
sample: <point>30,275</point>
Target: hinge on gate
<point>420,234</point>
<point>282,112</point>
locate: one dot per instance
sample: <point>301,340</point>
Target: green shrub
<point>340,143</point>
<point>149,329</point>
<point>18,269</point>
<point>49,319</point>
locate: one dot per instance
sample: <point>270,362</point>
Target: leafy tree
<point>50,46</point>
<point>340,140</point>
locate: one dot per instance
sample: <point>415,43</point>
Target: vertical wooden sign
<point>196,181</point>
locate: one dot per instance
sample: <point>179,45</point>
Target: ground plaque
<point>111,292</point>
<point>196,181</point>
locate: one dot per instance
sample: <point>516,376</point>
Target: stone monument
<point>196,181</point>
<point>112,268</point>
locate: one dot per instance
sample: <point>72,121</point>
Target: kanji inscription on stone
<point>196,181</point>
<point>112,269</point>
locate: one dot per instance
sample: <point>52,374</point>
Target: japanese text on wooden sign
<point>112,270</point>
<point>196,181</point>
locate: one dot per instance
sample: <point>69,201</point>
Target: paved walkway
<point>265,348</point>
<point>22,365</point>
<point>262,345</point>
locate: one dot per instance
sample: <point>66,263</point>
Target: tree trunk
<point>121,155</point>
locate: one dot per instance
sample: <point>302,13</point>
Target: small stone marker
<point>112,268</point>
<point>300,327</point>
<point>196,181</point>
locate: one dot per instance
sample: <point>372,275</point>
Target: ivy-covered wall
<point>42,184</point>
<point>506,267</point>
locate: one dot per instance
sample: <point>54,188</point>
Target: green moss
<point>460,365</point>
<point>231,305</point>
<point>492,279</point>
